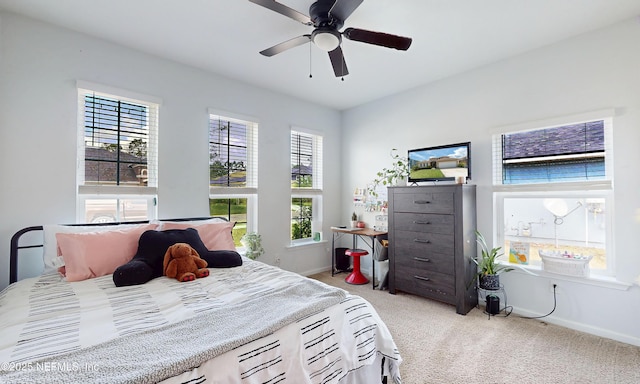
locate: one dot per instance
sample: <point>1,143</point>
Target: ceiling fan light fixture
<point>327,17</point>
<point>327,40</point>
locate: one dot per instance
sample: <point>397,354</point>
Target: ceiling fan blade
<point>378,38</point>
<point>338,63</point>
<point>344,8</point>
<point>286,45</point>
<point>284,10</point>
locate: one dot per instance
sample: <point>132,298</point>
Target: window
<point>573,152</point>
<point>553,190</point>
<point>233,172</point>
<point>117,153</point>
<point>306,185</point>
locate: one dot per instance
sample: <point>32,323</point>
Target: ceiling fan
<point>327,17</point>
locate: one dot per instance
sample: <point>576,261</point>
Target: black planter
<point>490,282</point>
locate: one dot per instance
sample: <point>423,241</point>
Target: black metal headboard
<point>16,247</point>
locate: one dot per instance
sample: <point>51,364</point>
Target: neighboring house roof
<point>300,170</point>
<point>100,165</point>
<point>570,139</point>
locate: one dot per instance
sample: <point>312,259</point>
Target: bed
<point>252,323</point>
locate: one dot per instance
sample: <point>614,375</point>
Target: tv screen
<point>440,163</point>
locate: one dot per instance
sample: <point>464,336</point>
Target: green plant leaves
<point>390,176</point>
<point>488,264</point>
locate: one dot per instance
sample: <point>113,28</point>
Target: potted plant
<point>253,245</point>
<point>354,220</point>
<point>399,170</point>
<point>489,269</point>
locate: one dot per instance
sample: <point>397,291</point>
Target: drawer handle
<point>421,202</point>
<point>421,222</point>
<point>421,278</point>
<point>421,241</point>
<point>421,259</point>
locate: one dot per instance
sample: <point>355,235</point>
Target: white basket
<point>555,262</point>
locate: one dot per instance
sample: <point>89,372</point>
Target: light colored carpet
<point>439,346</point>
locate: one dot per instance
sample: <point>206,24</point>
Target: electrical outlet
<point>277,261</point>
<point>557,287</point>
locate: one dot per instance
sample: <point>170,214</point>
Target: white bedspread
<point>54,330</point>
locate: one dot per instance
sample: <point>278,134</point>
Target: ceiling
<point>225,36</point>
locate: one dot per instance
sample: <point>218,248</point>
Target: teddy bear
<point>183,263</point>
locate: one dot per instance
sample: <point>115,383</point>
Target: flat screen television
<point>441,163</point>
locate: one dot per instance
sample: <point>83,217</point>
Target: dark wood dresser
<point>431,243</point>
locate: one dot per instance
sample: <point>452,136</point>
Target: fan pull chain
<point>310,75</point>
<point>342,66</point>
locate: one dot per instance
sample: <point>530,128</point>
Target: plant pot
<point>490,282</point>
<point>401,182</point>
<point>354,224</point>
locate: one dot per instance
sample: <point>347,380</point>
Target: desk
<point>362,233</point>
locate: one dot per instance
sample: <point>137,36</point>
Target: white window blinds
<point>233,155</point>
<point>577,152</point>
<point>118,141</point>
<point>306,161</point>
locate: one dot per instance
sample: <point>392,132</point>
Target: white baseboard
<point>581,327</point>
<point>315,271</point>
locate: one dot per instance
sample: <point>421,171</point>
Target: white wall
<point>589,72</point>
<point>39,65</point>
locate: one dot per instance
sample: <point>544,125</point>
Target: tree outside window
<point>306,184</point>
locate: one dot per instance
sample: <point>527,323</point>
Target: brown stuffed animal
<point>183,263</point>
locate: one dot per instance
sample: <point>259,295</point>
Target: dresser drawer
<point>433,284</point>
<point>423,222</point>
<point>432,262</point>
<point>434,202</point>
<point>422,243</point>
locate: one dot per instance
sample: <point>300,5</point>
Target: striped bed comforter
<point>250,324</point>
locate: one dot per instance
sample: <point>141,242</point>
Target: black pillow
<point>147,262</point>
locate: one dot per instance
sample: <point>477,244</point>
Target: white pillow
<point>50,245</point>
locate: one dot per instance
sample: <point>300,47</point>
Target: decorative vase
<point>401,182</point>
<point>490,282</point>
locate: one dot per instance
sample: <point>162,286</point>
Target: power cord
<point>554,306</point>
<point>507,311</point>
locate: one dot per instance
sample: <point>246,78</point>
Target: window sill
<point>306,243</point>
<point>595,280</point>
<point>116,190</point>
<point>600,185</point>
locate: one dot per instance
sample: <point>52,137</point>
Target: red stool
<point>356,277</point>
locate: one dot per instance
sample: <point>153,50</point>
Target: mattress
<point>250,324</point>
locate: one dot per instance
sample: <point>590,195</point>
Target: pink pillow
<point>92,254</point>
<point>215,236</point>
